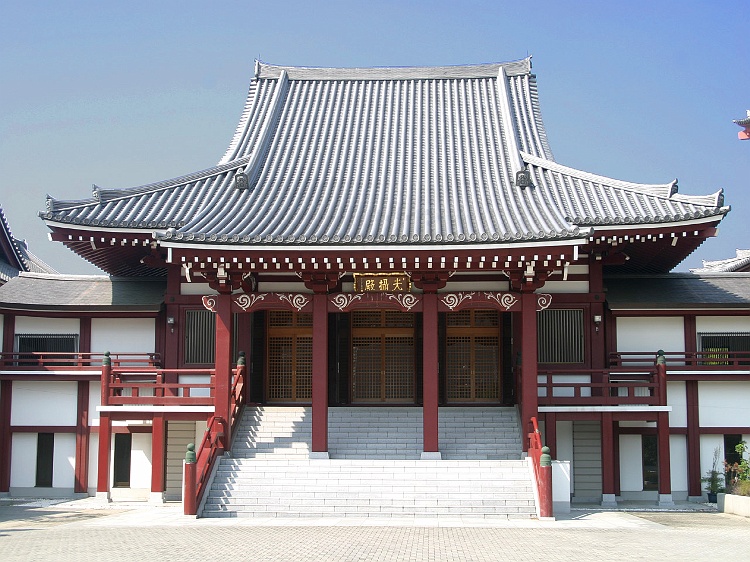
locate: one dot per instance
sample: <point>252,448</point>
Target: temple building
<point>385,265</point>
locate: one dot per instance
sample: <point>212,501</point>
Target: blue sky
<point>125,93</point>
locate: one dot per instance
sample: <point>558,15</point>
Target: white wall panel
<point>724,404</point>
<point>140,461</point>
<point>64,461</point>
<point>677,399</point>
<point>23,460</point>
<point>678,463</point>
<point>578,287</point>
<point>93,460</point>
<point>36,325</point>
<point>44,403</point>
<point>650,333</point>
<point>124,335</point>
<point>722,324</point>
<point>708,444</point>
<point>631,463</point>
<point>95,399</point>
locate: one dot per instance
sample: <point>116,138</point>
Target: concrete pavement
<point>87,530</point>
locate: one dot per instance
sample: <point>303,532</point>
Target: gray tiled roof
<point>18,257</point>
<point>416,156</point>
<point>745,121</point>
<point>740,262</point>
<point>55,292</point>
<point>679,290</point>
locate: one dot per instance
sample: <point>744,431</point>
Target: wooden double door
<point>384,357</point>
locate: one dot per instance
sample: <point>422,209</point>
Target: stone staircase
<point>374,469</point>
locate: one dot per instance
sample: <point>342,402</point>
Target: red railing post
<point>545,483</point>
<point>106,376</point>
<point>661,375</point>
<point>189,493</point>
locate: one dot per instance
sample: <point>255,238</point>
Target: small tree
<point>714,478</point>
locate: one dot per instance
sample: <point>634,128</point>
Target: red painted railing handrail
<point>63,360</point>
<point>211,448</point>
<point>158,387</point>
<point>600,387</point>
<point>680,360</point>
<point>542,474</point>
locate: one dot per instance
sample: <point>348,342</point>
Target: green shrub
<point>741,488</point>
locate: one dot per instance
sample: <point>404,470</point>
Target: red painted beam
<point>158,451</point>
<point>223,360</point>
<point>105,443</point>
<point>662,440</point>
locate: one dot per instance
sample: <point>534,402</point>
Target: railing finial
<point>106,360</point>
<point>190,454</point>
<point>241,359</point>
<point>660,359</point>
<point>545,459</point>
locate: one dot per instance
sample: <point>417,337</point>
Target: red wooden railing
<point>600,387</point>
<point>683,360</point>
<point>48,360</point>
<point>216,439</point>
<point>542,470</point>
<point>159,387</point>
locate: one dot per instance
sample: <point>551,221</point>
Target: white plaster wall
<point>95,399</point>
<point>564,287</point>
<point>44,403</point>
<point>294,287</point>
<point>196,289</point>
<point>565,448</point>
<point>631,463</point>
<point>124,335</point>
<point>64,461</point>
<point>36,325</point>
<point>93,461</point>
<point>650,333</point>
<point>724,404</point>
<point>708,444</point>
<point>463,286</point>
<point>678,463</point>
<point>140,461</point>
<point>677,399</point>
<point>195,379</point>
<point>722,324</point>
<point>23,460</point>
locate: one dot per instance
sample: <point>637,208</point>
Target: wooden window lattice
<point>289,377</point>
<point>473,356</point>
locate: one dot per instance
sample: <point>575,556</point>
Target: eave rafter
<point>523,267</point>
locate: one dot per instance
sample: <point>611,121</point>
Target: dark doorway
<point>123,445</point>
<point>45,452</point>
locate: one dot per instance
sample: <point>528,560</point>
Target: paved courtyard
<point>84,530</point>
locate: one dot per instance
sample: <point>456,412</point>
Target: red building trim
<point>608,455</point>
<point>693,439</point>
<point>105,443</point>
<point>223,360</point>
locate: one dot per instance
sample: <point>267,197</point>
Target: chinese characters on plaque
<point>382,283</point>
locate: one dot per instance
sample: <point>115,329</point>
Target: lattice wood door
<point>289,361</point>
<point>473,362</point>
<point>382,356</point>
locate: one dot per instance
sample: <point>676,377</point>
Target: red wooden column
<point>82,439</point>
<point>320,376</point>
<point>105,434</point>
<point>6,399</point>
<point>608,461</point>
<point>529,393</point>
<point>665,477</point>
<point>105,444</point>
<point>223,363</point>
<point>430,375</point>
<point>693,440</point>
<point>158,450</point>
